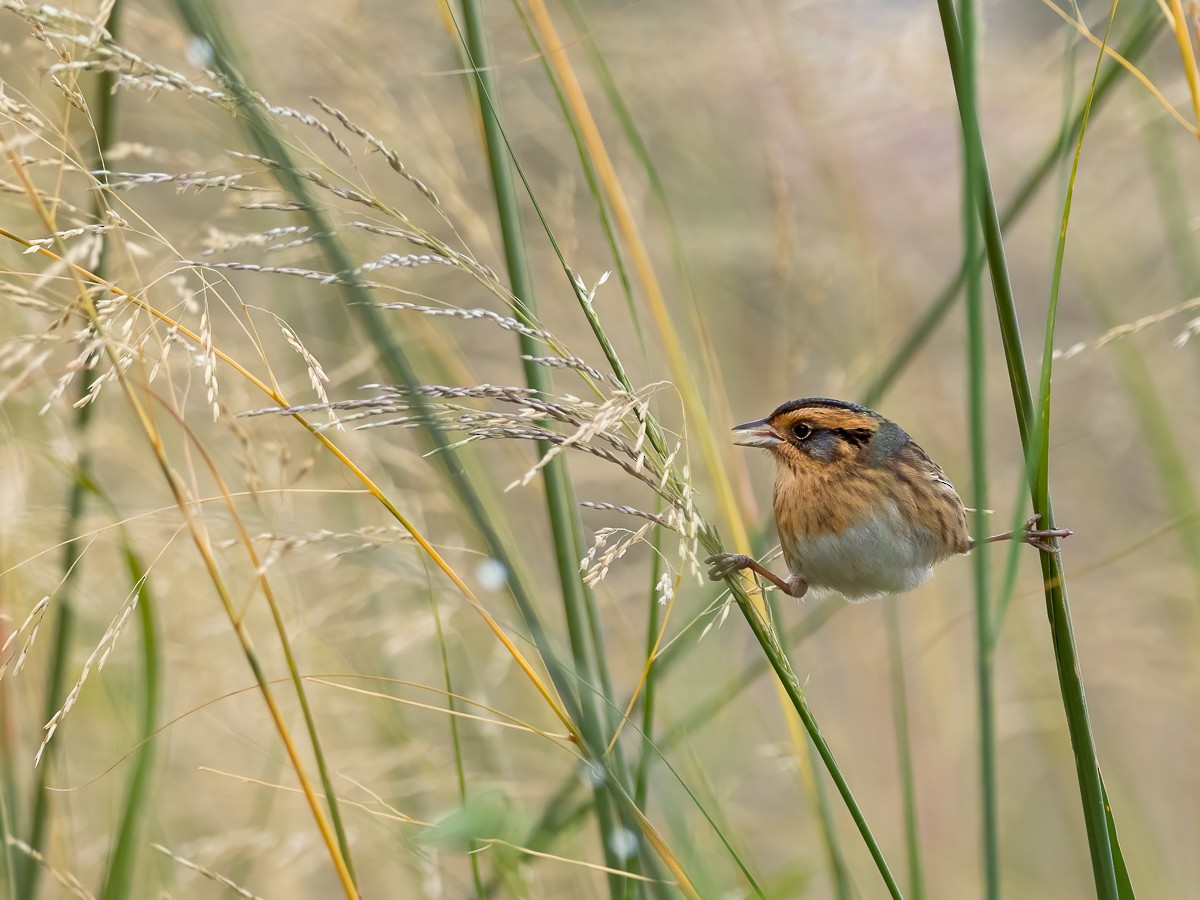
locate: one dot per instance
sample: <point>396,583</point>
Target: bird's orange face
<point>815,433</point>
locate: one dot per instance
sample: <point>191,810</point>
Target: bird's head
<point>819,433</point>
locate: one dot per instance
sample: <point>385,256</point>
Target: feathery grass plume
<point>1128,329</point>
<point>206,871</point>
<point>28,628</point>
<point>612,430</point>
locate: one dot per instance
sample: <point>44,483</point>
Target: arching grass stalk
<point>765,635</point>
<point>908,787</point>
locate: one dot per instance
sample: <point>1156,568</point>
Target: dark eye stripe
<point>856,436</point>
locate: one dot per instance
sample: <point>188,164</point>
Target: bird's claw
<point>1035,537</point>
<point>722,565</point>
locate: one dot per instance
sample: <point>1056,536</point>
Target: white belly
<point>882,555</point>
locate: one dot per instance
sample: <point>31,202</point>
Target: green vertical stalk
<point>455,743</point>
<point>912,835</point>
<point>122,865</point>
<point>582,624</point>
<point>28,870</point>
<point>977,400</point>
<point>1101,841</point>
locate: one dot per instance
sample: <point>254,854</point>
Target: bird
<point>860,507</point>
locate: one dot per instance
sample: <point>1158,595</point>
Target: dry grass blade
<point>503,720</point>
<point>1133,70</point>
<point>210,874</point>
<point>69,882</point>
<point>1187,53</point>
<point>1120,332</point>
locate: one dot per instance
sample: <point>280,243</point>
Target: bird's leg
<point>722,565</point>
<point>1035,537</point>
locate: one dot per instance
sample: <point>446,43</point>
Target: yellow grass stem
<point>1188,54</point>
<point>650,659</point>
<point>595,867</point>
<point>623,214</point>
<point>204,548</point>
<point>504,720</point>
<point>1131,68</point>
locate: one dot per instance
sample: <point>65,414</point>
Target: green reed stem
<point>912,834</point>
<point>839,874</point>
<point>122,864</point>
<point>584,630</point>
<point>28,870</point>
<point>768,640</point>
<point>1100,840</point>
<point>1008,582</point>
<point>460,775</point>
<point>654,433</point>
<point>641,783</point>
<point>977,407</point>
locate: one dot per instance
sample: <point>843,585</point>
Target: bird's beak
<point>756,434</point>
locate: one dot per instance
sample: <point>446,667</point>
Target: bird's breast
<point>810,504</point>
<point>852,537</point>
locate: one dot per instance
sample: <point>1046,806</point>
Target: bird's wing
<point>953,514</point>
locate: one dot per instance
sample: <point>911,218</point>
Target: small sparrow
<point>860,508</point>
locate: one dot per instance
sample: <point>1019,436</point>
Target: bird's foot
<point>1037,537</point>
<point>722,565</point>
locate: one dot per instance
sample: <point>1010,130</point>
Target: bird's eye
<point>801,431</point>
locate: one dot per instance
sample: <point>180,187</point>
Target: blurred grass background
<point>810,158</point>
